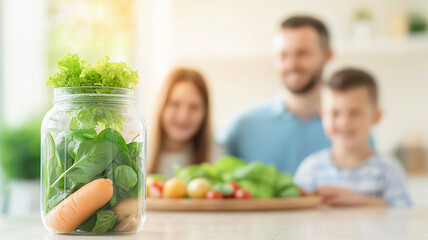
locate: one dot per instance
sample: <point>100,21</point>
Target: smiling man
<point>286,130</point>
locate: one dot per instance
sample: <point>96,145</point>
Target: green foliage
<point>203,170</point>
<point>226,166</point>
<point>224,188</point>
<point>261,180</point>
<point>54,197</point>
<point>79,155</point>
<point>92,158</point>
<point>417,23</point>
<point>89,224</point>
<point>109,74</point>
<point>125,177</point>
<point>103,155</point>
<point>114,137</point>
<point>90,117</point>
<point>54,166</point>
<point>258,189</point>
<point>106,219</point>
<point>70,67</point>
<point>20,150</point>
<point>73,72</point>
<point>289,191</point>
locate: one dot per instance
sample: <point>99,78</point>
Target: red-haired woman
<point>182,134</point>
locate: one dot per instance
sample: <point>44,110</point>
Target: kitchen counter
<point>320,223</point>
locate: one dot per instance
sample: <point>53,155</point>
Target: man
<point>285,131</point>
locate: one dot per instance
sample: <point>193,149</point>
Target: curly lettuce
<point>74,72</point>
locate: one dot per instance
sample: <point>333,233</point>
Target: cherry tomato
<point>234,185</point>
<point>159,184</point>
<point>155,191</point>
<point>214,194</point>
<point>243,194</point>
<point>302,193</point>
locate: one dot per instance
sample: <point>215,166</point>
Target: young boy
<point>351,173</point>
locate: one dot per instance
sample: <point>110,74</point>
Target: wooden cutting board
<point>163,204</point>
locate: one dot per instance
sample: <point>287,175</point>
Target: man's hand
<point>342,197</point>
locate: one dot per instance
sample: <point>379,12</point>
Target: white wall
<point>24,24</point>
<point>230,41</point>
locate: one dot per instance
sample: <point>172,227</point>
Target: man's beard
<point>313,81</point>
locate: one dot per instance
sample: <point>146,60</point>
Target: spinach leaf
<point>61,146</point>
<point>125,177</point>
<point>125,181</point>
<point>76,137</point>
<point>68,143</point>
<point>89,224</point>
<point>54,198</point>
<point>135,149</point>
<point>66,184</point>
<point>53,166</point>
<point>114,137</point>
<point>53,169</point>
<point>106,219</point>
<point>137,163</point>
<point>87,133</point>
<point>133,192</point>
<point>113,200</point>
<point>108,173</point>
<point>92,158</point>
<point>123,159</point>
<point>79,176</point>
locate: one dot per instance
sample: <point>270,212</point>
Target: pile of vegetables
<point>229,177</point>
<point>92,178</point>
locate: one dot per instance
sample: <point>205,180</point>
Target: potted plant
<point>20,166</point>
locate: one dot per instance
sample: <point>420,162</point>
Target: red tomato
<point>155,191</point>
<point>242,194</point>
<point>158,184</point>
<point>214,194</point>
<point>302,193</point>
<point>234,185</point>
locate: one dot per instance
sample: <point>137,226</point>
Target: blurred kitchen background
<point>229,41</point>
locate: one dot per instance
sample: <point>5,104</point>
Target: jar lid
<point>98,94</point>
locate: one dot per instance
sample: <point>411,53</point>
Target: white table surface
<point>320,223</point>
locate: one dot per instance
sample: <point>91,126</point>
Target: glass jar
<point>93,162</point>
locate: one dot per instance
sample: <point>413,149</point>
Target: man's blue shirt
<point>273,135</point>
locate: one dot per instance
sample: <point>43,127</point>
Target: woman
<point>182,132</point>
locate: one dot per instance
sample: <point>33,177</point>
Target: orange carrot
<point>79,206</point>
